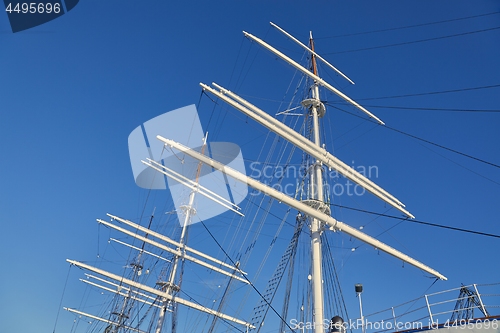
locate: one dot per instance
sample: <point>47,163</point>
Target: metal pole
<point>359,289</point>
<point>316,189</point>
<point>394,317</point>
<point>483,308</point>
<point>187,219</point>
<point>171,281</point>
<point>429,309</point>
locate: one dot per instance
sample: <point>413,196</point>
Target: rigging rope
<point>415,41</point>
<point>405,219</point>
<point>423,140</point>
<point>434,109</point>
<point>244,276</point>
<point>432,92</point>
<point>62,296</point>
<point>409,26</point>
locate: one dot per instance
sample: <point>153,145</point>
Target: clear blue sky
<point>73,89</point>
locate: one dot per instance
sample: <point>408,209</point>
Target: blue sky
<point>73,89</point>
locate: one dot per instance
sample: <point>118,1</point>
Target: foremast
<point>166,291</point>
<point>170,287</point>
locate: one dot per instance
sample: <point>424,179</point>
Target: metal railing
<point>432,310</point>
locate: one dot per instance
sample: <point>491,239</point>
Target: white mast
<point>314,206</point>
<point>316,189</point>
<point>170,287</point>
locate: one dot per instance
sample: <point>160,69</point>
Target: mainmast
<point>313,205</point>
<point>317,110</point>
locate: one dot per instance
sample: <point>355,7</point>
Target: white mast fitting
<point>176,252</point>
<point>118,287</point>
<point>157,292</point>
<point>119,291</point>
<point>193,185</point>
<point>282,197</point>
<point>88,315</point>
<point>173,242</point>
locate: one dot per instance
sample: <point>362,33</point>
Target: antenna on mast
<point>313,54</point>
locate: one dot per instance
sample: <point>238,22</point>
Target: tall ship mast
<point>317,111</point>
<point>145,302</point>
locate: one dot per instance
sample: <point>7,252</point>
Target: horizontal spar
<point>281,197</point>
<point>157,292</point>
<point>107,321</point>
<point>173,242</point>
<point>177,252</point>
<point>304,144</point>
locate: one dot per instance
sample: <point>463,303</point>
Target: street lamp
<point>359,289</point>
